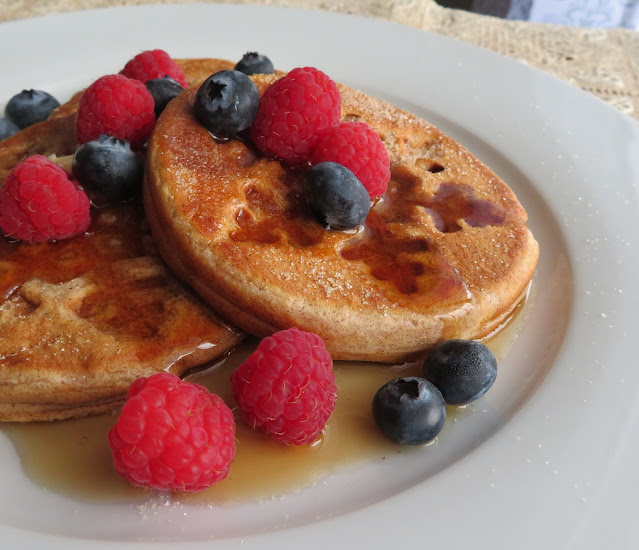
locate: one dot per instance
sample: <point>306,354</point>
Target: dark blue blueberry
<point>410,411</point>
<point>254,63</point>
<point>7,128</point>
<point>336,197</point>
<point>226,103</point>
<point>108,165</point>
<point>463,370</point>
<point>29,107</point>
<point>163,90</point>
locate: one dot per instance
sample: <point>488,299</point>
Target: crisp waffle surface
<point>80,319</point>
<point>445,253</point>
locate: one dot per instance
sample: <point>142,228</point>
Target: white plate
<point>547,459</point>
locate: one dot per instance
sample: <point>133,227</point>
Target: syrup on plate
<point>72,457</point>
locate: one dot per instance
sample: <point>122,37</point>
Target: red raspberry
<point>292,112</point>
<point>172,435</point>
<point>154,64</point>
<point>116,106</point>
<point>286,387</point>
<point>358,147</point>
<point>38,202</point>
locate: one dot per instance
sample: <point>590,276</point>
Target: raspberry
<point>154,64</point>
<point>286,387</point>
<point>116,106</point>
<point>38,202</point>
<point>358,147</point>
<point>292,112</point>
<point>172,435</point>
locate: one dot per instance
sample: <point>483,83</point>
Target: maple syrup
<point>294,226</point>
<point>116,233</point>
<point>411,265</point>
<point>451,202</point>
<point>454,202</point>
<point>72,458</point>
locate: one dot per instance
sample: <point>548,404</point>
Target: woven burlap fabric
<point>603,62</point>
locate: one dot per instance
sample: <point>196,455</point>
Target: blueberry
<point>463,370</point>
<point>163,90</point>
<point>29,107</point>
<point>410,411</point>
<point>7,128</point>
<point>336,197</point>
<point>226,103</point>
<point>108,165</point>
<point>254,63</point>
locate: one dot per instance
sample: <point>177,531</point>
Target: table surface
<point>602,62</point>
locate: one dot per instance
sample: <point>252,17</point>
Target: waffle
<point>80,319</point>
<point>445,253</point>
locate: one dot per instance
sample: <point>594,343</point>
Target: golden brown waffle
<point>82,318</point>
<point>446,252</point>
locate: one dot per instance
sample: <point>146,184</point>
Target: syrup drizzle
<point>410,264</point>
<point>414,264</point>
<point>454,202</point>
<point>116,233</point>
<point>451,203</point>
<point>282,216</point>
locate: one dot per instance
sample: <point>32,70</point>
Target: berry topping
<point>38,202</point>
<point>286,387</point>
<point>293,111</point>
<point>336,197</point>
<point>29,107</point>
<point>163,90</point>
<point>108,165</point>
<point>154,64</point>
<point>410,411</point>
<point>7,128</point>
<point>172,435</point>
<point>358,147</point>
<point>254,63</point>
<point>116,106</point>
<point>226,103</point>
<point>463,370</point>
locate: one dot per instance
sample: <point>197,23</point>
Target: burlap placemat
<point>603,62</point>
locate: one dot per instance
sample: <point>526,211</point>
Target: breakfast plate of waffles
<point>505,223</point>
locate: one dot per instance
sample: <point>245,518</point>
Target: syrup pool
<point>72,458</point>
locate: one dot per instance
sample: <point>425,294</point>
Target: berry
<point>410,411</point>
<point>336,197</point>
<point>153,64</point>
<point>116,106</point>
<point>254,63</point>
<point>163,90</point>
<point>293,111</point>
<point>29,107</point>
<point>286,387</point>
<point>108,165</point>
<point>7,128</point>
<point>463,370</point>
<point>38,202</point>
<point>358,147</point>
<point>226,103</point>
<point>172,435</point>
